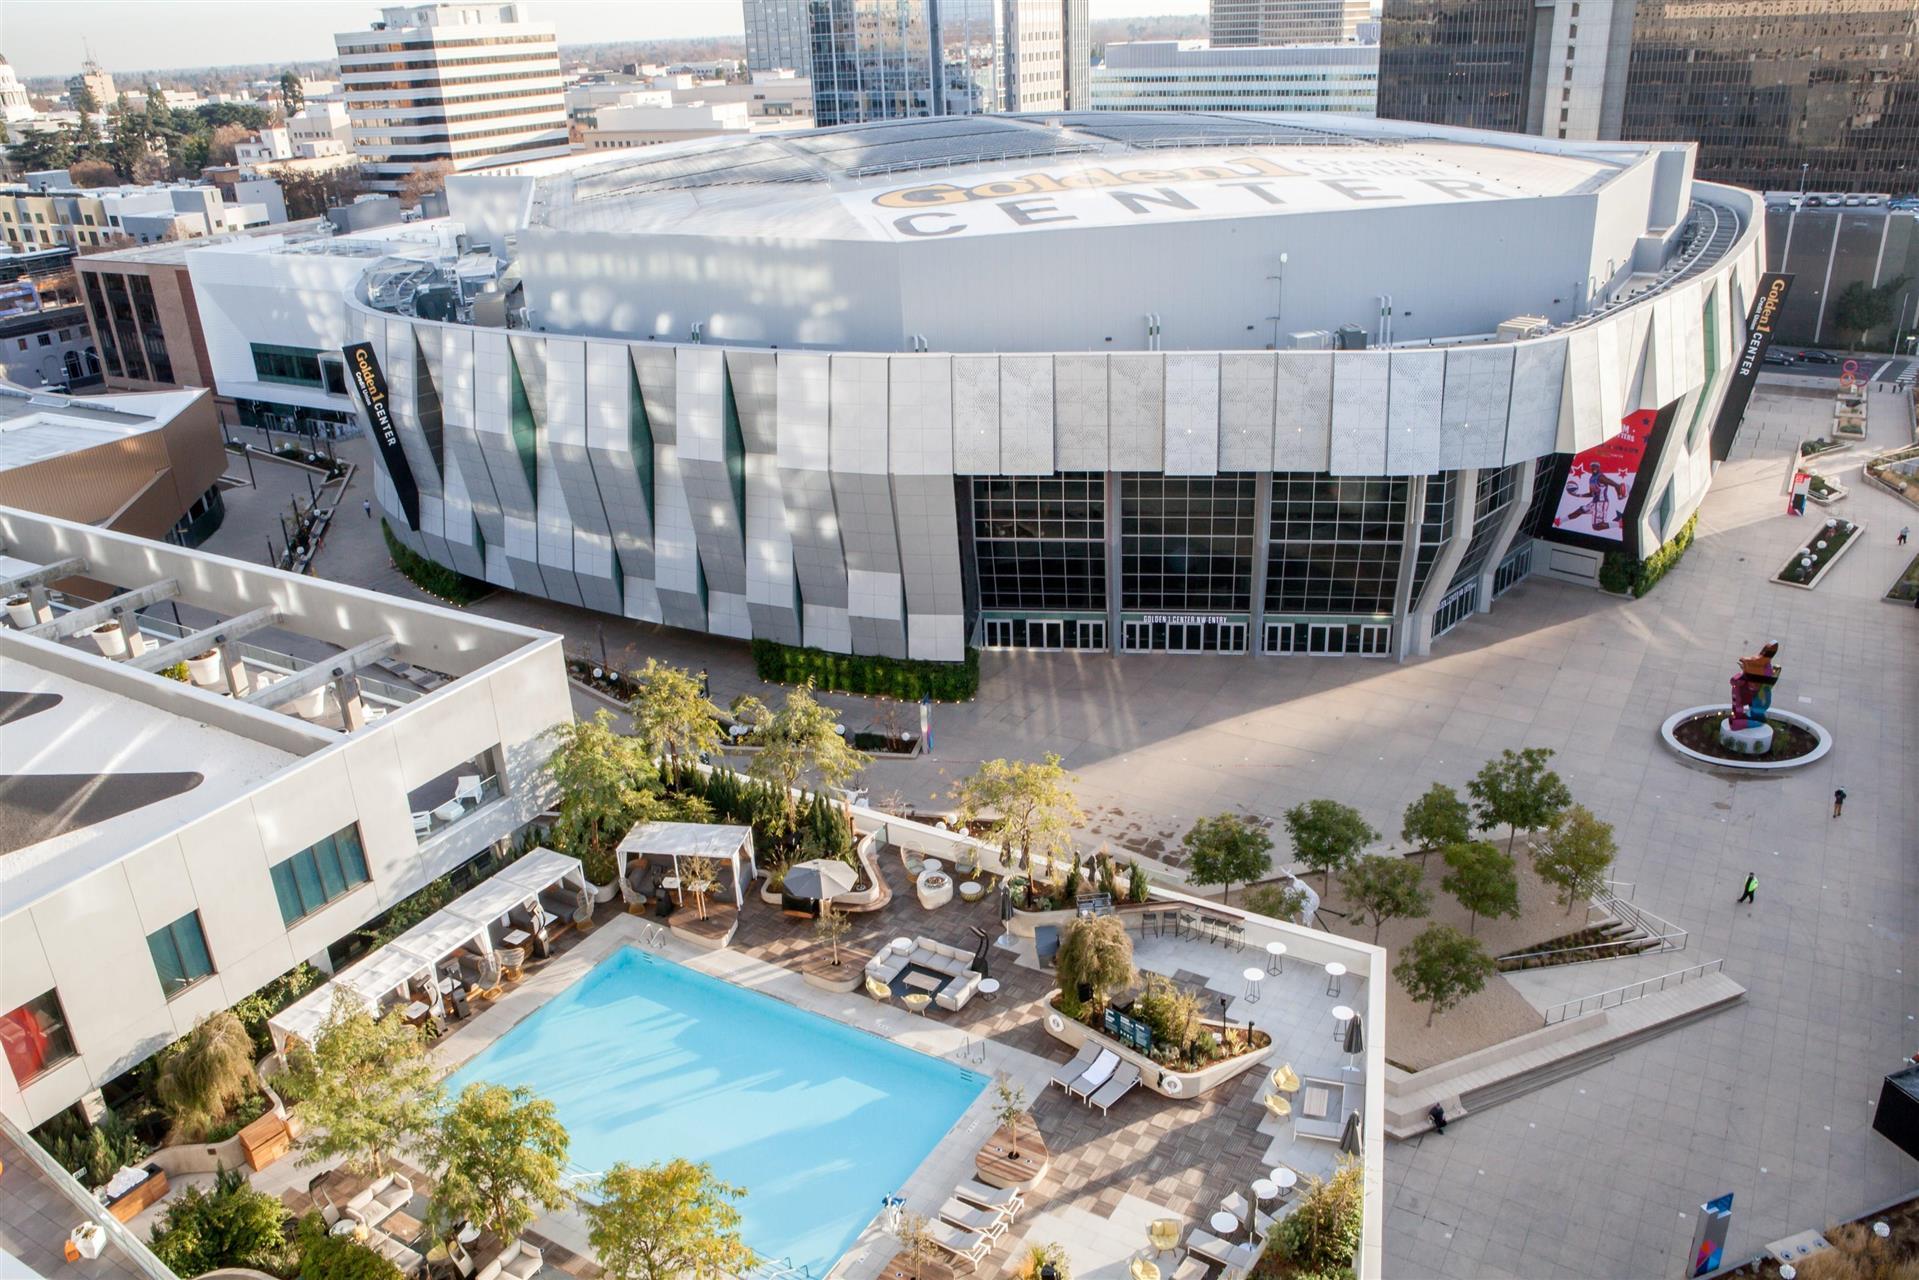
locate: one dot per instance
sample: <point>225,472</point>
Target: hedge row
<point>906,678</point>
<point>449,585</point>
<point>1622,573</point>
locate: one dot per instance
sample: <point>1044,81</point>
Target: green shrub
<point>230,1226</point>
<point>1322,1234</point>
<point>1622,574</point>
<point>905,678</point>
<point>91,1152</point>
<point>329,1257</point>
<point>449,585</point>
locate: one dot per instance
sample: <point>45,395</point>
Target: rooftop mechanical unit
<point>1524,327</point>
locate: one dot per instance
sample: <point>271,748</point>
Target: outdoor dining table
<point>673,883</point>
<point>517,938</point>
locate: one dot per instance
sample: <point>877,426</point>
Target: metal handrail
<point>1628,993</point>
<point>1667,935</point>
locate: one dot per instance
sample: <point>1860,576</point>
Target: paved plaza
<point>1597,1175</point>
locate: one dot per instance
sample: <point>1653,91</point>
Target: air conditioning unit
<point>1521,327</point>
<point>1350,337</point>
<point>1312,340</point>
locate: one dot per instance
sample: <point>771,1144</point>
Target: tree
<point>671,717</point>
<point>605,779</point>
<point>1517,791</point>
<point>205,1075</point>
<point>1279,901</point>
<point>665,1221</point>
<point>1574,854</point>
<point>1225,849</point>
<point>308,195</point>
<point>245,114</point>
<point>83,99</point>
<point>325,1256</point>
<point>916,1240</point>
<point>292,94</point>
<point>1034,804</point>
<point>221,143</point>
<point>1009,1108</point>
<point>1481,879</point>
<point>1441,967</point>
<point>92,173</point>
<point>799,742</point>
<point>1861,307</point>
<point>1322,1235</point>
<point>830,928</point>
<point>1436,820</point>
<point>231,1225</point>
<point>1381,888</point>
<point>1327,836</point>
<point>501,1156</point>
<point>426,180</point>
<point>1095,956</point>
<point>40,150</point>
<point>369,1088</point>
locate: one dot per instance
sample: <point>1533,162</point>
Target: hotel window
<point>180,954</point>
<point>319,874</point>
<point>35,1037</point>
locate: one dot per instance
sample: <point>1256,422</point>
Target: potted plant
<point>110,638</point>
<point>204,668</point>
<point>20,610</point>
<point>1009,1108</point>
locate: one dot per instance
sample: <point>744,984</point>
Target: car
<point>1819,357</point>
<point>1780,357</point>
<point>1853,201</point>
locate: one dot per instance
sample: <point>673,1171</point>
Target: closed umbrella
<point>821,879</point>
<point>1355,1043</point>
<point>1350,1141</point>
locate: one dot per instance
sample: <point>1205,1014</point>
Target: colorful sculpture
<point>1745,730</point>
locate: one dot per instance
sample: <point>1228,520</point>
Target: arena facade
<point>1177,383</point>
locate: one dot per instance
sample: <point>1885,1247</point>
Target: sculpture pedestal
<point>1753,740</point>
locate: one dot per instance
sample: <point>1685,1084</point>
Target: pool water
<point>646,1060</point>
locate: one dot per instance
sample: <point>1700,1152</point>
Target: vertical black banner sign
<point>370,384</point>
<point>1773,287</point>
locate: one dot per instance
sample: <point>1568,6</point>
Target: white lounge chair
<point>1113,1090</point>
<point>1066,1075</point>
<point>987,1222</point>
<point>1004,1199</point>
<point>1204,1244</point>
<point>380,1201</point>
<point>965,1246</point>
<point>518,1261</point>
<point>1096,1075</point>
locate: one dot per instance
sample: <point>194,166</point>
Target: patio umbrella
<point>1349,1137</point>
<point>821,879</point>
<point>1355,1039</point>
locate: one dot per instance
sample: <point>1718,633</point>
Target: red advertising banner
<point>1600,482</point>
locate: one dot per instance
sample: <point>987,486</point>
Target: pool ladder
<point>783,1269</point>
<point>653,935</point>
<point>970,1050</point>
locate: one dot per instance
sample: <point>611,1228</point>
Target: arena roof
<point>866,182</point>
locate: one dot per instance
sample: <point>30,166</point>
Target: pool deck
<point>1110,1174</point>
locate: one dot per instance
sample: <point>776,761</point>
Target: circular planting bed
<point>1694,734</point>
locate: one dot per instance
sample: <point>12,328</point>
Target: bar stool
<point>1275,957</point>
<point>1334,972</point>
<point>1341,1016</point>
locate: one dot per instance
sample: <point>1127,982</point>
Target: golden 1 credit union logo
<point>936,194</point>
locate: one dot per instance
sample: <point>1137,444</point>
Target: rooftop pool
<point>646,1060</point>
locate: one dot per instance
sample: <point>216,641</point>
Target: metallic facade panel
<point>1026,415</point>
<point>1532,423</point>
<point>1361,396</point>
<point>976,415</point>
<point>919,411</point>
<point>1414,398</point>
<point>1472,420</point>
<point>803,409</point>
<point>712,461</point>
<point>772,590</point>
<point>1582,425</point>
<point>875,600</point>
<point>1192,413</point>
<point>928,519</point>
<point>676,555</point>
<point>620,453</point>
<point>495,372</point>
<point>1079,412</point>
<point>1302,411</point>
<point>1136,396</point>
<point>1246,382</point>
<point>567,405</point>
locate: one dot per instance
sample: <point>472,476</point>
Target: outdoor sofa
<point>954,963</point>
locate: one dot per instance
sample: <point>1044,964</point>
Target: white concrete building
<point>616,128</point>
<point>1190,75</point>
<point>320,130</point>
<point>15,105</point>
<point>264,147</point>
<point>171,846</point>
<point>462,83</point>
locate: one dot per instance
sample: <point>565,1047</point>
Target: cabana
<point>651,844</point>
<point>517,906</point>
<point>444,942</point>
<point>303,1019</point>
<point>559,882</point>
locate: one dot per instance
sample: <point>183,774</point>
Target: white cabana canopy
<point>383,973</point>
<point>438,936</point>
<point>542,868</point>
<point>304,1017</point>
<point>677,840</point>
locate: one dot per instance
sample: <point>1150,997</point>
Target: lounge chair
<point>987,1222</point>
<point>512,962</point>
<point>1113,1090</point>
<point>518,1261</point>
<point>1096,1075</point>
<point>1191,1268</point>
<point>879,991</point>
<point>965,1246</point>
<point>1007,1200</point>
<point>1204,1244</point>
<point>1073,1070</point>
<point>380,1200</point>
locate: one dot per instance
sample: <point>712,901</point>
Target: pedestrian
<point>1752,888</point>
<point>706,689</point>
<point>366,505</point>
<point>1904,531</point>
<point>1438,1116</point>
<point>1838,801</point>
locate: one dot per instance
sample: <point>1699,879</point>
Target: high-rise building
<point>897,59</point>
<point>1079,55</point>
<point>1187,75</point>
<point>779,33</point>
<point>466,84</point>
<point>1268,22</point>
<point>97,81</point>
<point>1775,95</point>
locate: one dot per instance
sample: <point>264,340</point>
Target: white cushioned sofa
<point>953,962</point>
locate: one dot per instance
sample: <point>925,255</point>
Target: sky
<point>43,37</point>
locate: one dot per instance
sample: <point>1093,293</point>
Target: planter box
<point>1166,1082</point>
<point>1837,493</point>
<point>1858,535</point>
<point>845,978</point>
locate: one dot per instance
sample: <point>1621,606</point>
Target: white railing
<point>1627,994</point>
<point>118,1236</point>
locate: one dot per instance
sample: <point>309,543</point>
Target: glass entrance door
<point>1326,637</point>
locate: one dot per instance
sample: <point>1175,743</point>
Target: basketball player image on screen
<point>1601,498</point>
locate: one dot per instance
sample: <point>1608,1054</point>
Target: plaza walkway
<point>1598,1175</point>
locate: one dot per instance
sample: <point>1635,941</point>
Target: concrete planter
<point>1858,535</point>
<point>110,638</point>
<point>1025,924</point>
<point>843,978</point>
<point>1183,1086</point>
<point>20,611</point>
<point>204,668</point>
<point>1680,749</point>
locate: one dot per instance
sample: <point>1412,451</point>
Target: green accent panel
<point>735,450</point>
<point>640,436</point>
<point>1711,318</point>
<point>525,434</point>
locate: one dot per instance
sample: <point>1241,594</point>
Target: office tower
<point>1773,94</point>
<point>1187,75</point>
<point>467,84</point>
<point>1268,22</point>
<point>779,34</point>
<point>896,59</point>
<point>97,81</point>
